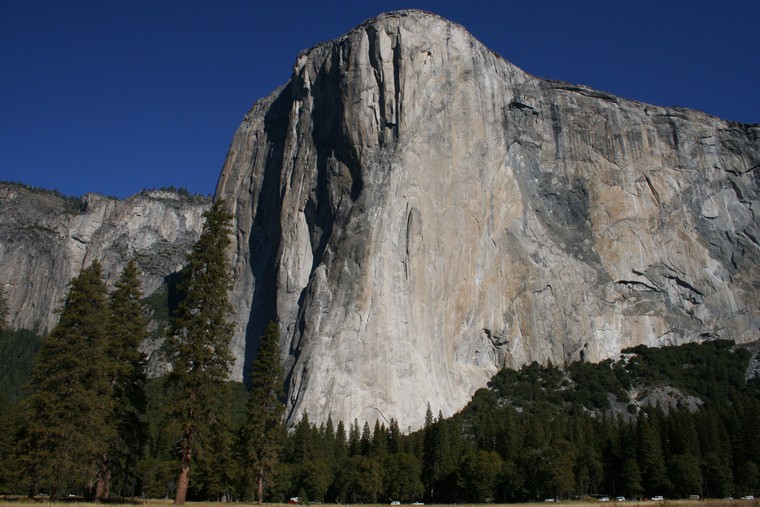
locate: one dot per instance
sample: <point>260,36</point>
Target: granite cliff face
<point>45,239</point>
<point>417,213</point>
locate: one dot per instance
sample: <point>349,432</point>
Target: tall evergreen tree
<point>715,450</point>
<point>126,331</point>
<point>68,425</point>
<point>303,442</point>
<point>685,473</point>
<point>631,476</point>
<point>199,340</point>
<point>379,446</point>
<point>428,451</point>
<point>216,468</point>
<point>264,429</point>
<point>560,468</point>
<point>651,457</point>
<point>354,436</point>
<point>341,442</point>
<point>394,437</point>
<point>437,464</point>
<point>401,477</point>
<point>329,441</point>
<point>365,442</point>
<point>477,474</point>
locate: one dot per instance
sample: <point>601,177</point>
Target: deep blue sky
<point>113,96</point>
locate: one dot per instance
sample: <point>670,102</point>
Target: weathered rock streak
<point>417,212</point>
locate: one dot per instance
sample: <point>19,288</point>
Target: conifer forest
<point>79,416</point>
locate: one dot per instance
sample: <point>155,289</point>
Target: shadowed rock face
<point>417,212</point>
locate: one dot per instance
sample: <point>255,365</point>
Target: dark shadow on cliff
<point>339,180</point>
<point>265,236</point>
<point>172,281</point>
<point>339,177</point>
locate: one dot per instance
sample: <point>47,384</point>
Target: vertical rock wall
<point>417,213</point>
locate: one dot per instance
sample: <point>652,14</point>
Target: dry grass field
<point>24,502</point>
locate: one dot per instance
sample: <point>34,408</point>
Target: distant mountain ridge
<point>46,238</point>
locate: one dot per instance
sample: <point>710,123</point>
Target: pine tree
<point>126,331</point>
<point>685,474</point>
<point>199,340</point>
<point>353,438</point>
<point>631,476</point>
<point>217,469</point>
<point>651,457</point>
<point>394,437</point>
<point>379,446</point>
<point>68,425</point>
<point>715,450</point>
<point>329,441</point>
<point>429,434</point>
<point>478,473</point>
<point>341,443</point>
<point>401,477</point>
<point>560,467</point>
<point>365,442</point>
<point>264,430</point>
<point>303,445</point>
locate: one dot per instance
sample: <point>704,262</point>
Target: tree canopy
<point>264,430</point>
<point>68,427</point>
<point>199,340</point>
<point>126,332</point>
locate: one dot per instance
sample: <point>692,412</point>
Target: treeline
<point>534,433</point>
<point>552,440</point>
<point>508,455</point>
<point>195,197</point>
<point>90,424</point>
<point>72,204</point>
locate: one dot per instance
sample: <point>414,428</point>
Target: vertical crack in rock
<point>413,232</point>
<point>385,59</point>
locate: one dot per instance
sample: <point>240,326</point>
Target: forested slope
<point>672,421</point>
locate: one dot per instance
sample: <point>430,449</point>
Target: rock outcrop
<point>417,213</point>
<point>46,239</point>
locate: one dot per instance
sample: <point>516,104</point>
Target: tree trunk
<point>103,481</point>
<point>184,475</point>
